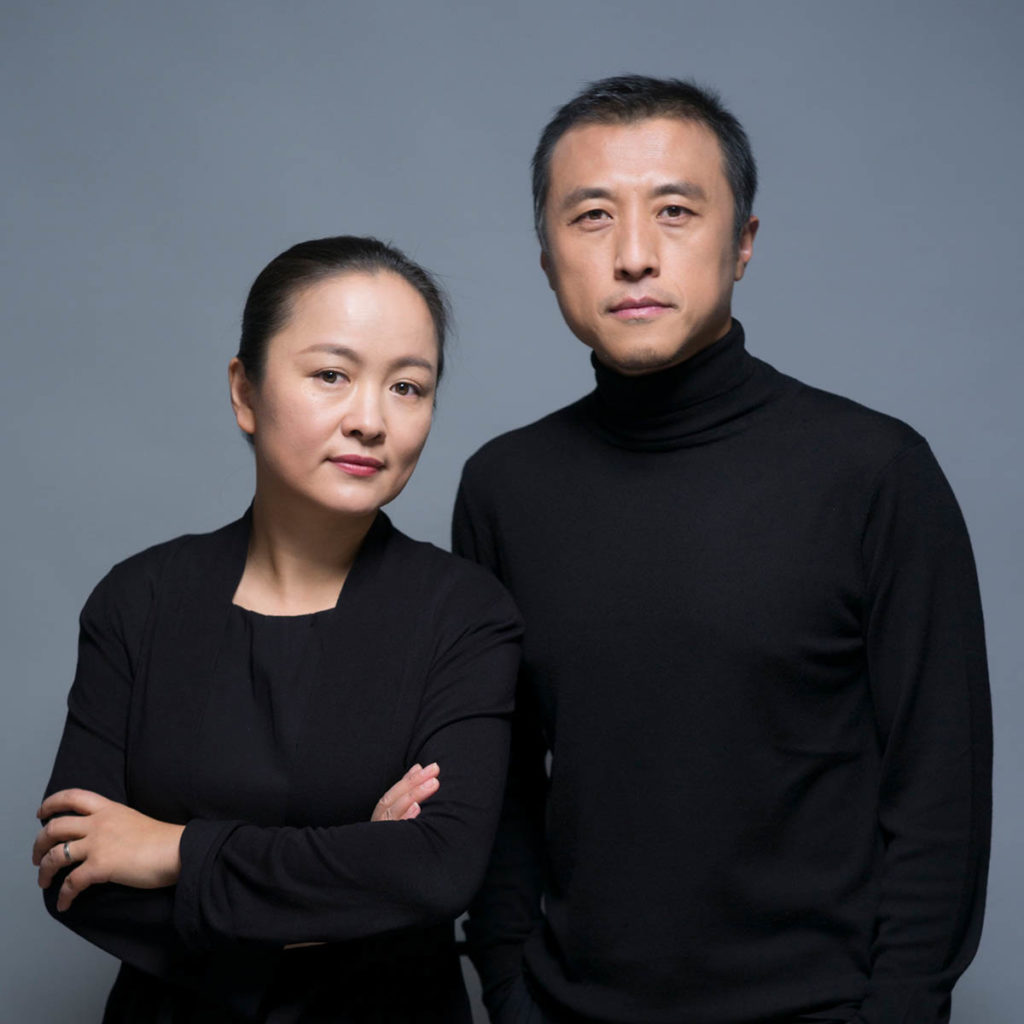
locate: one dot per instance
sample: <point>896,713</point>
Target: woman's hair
<point>270,298</point>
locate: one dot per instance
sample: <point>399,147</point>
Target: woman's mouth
<point>357,465</point>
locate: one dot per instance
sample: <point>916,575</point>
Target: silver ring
<point>67,852</point>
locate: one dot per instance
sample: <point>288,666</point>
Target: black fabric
<point>754,651</point>
<point>180,709</point>
<point>266,656</point>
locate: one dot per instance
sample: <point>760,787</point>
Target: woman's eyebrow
<point>344,352</point>
<point>333,349</point>
<point>425,364</point>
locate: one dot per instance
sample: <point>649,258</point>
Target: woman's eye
<point>405,387</point>
<point>329,376</point>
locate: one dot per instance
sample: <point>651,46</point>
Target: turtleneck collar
<point>691,403</point>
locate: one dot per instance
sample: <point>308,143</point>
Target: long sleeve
<point>926,660</point>
<point>247,890</point>
<point>277,885</point>
<point>135,925</point>
<point>750,606</point>
<point>508,906</point>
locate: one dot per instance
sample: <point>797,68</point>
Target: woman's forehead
<point>373,314</point>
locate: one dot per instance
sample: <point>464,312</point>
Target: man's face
<point>642,251</point>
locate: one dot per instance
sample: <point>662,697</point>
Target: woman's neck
<point>299,556</point>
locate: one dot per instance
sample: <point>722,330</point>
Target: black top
<point>754,649</point>
<point>184,707</point>
<point>265,689</point>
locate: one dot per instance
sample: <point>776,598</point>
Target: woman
<point>242,698</point>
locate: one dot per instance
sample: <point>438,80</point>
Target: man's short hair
<point>624,99</point>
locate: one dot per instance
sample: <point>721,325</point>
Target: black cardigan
<point>416,663</point>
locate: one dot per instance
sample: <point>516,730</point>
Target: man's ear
<point>745,247</point>
<point>241,396</point>
<point>545,265</point>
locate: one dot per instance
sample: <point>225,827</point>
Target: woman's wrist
<point>172,853</point>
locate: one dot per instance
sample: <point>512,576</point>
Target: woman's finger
<point>71,801</point>
<point>411,798</point>
<point>76,882</point>
<point>54,832</point>
<point>413,776</point>
<point>57,858</point>
<point>385,808</point>
<point>394,805</point>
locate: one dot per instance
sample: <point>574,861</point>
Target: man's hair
<point>628,98</point>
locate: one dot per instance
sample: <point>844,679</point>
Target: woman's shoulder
<point>133,582</point>
<point>455,582</point>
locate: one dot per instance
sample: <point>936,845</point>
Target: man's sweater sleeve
<point>508,906</point>
<point>926,662</point>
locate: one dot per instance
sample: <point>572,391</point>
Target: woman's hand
<point>402,801</point>
<point>108,841</point>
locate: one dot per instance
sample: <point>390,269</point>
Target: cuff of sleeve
<point>200,843</point>
<point>897,1000</point>
<point>498,967</point>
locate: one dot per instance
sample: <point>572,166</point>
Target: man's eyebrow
<point>582,194</point>
<point>687,189</point>
<point>344,352</point>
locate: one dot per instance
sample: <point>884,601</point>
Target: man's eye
<point>674,212</point>
<point>592,215</point>
<point>405,387</point>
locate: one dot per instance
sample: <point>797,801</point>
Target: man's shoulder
<point>533,440</point>
<point>842,427</point>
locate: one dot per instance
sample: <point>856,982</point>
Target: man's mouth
<point>643,308</point>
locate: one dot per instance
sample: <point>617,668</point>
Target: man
<point>754,645</point>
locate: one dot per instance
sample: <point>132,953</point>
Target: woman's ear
<point>241,396</point>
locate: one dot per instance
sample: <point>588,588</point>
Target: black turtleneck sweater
<point>754,651</point>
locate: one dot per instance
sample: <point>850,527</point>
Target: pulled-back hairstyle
<point>270,298</point>
<point>628,98</point>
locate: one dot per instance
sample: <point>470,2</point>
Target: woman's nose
<point>364,417</point>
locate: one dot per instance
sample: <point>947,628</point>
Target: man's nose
<point>364,416</point>
<point>636,255</point>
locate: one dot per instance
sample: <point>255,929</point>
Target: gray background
<point>154,157</point>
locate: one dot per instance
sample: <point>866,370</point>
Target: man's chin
<point>636,358</point>
<point>638,361</point>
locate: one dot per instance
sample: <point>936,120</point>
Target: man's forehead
<point>654,151</point>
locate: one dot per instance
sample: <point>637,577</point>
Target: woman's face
<point>344,407</point>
